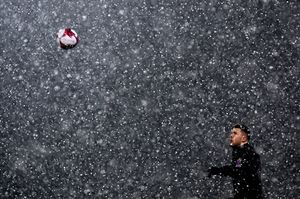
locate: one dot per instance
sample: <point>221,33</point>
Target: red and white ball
<point>67,38</point>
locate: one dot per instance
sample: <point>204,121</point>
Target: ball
<point>67,38</point>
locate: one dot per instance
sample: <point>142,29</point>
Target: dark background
<point>143,106</point>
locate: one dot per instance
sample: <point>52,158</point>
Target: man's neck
<point>242,145</point>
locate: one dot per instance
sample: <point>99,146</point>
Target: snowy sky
<point>144,104</point>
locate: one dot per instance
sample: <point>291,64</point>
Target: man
<point>245,166</point>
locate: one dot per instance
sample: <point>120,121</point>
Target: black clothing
<point>245,172</point>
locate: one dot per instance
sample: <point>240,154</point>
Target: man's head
<point>240,135</point>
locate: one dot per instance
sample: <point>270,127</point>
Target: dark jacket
<point>245,172</point>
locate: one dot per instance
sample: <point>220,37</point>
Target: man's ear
<point>244,137</point>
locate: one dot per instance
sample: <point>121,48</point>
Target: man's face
<point>237,137</point>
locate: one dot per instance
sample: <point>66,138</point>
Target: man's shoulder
<point>250,150</point>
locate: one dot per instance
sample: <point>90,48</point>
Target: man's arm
<point>224,170</point>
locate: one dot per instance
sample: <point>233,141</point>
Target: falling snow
<point>143,105</point>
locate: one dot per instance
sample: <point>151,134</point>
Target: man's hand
<point>213,171</point>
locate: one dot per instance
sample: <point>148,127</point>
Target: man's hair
<point>244,128</point>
